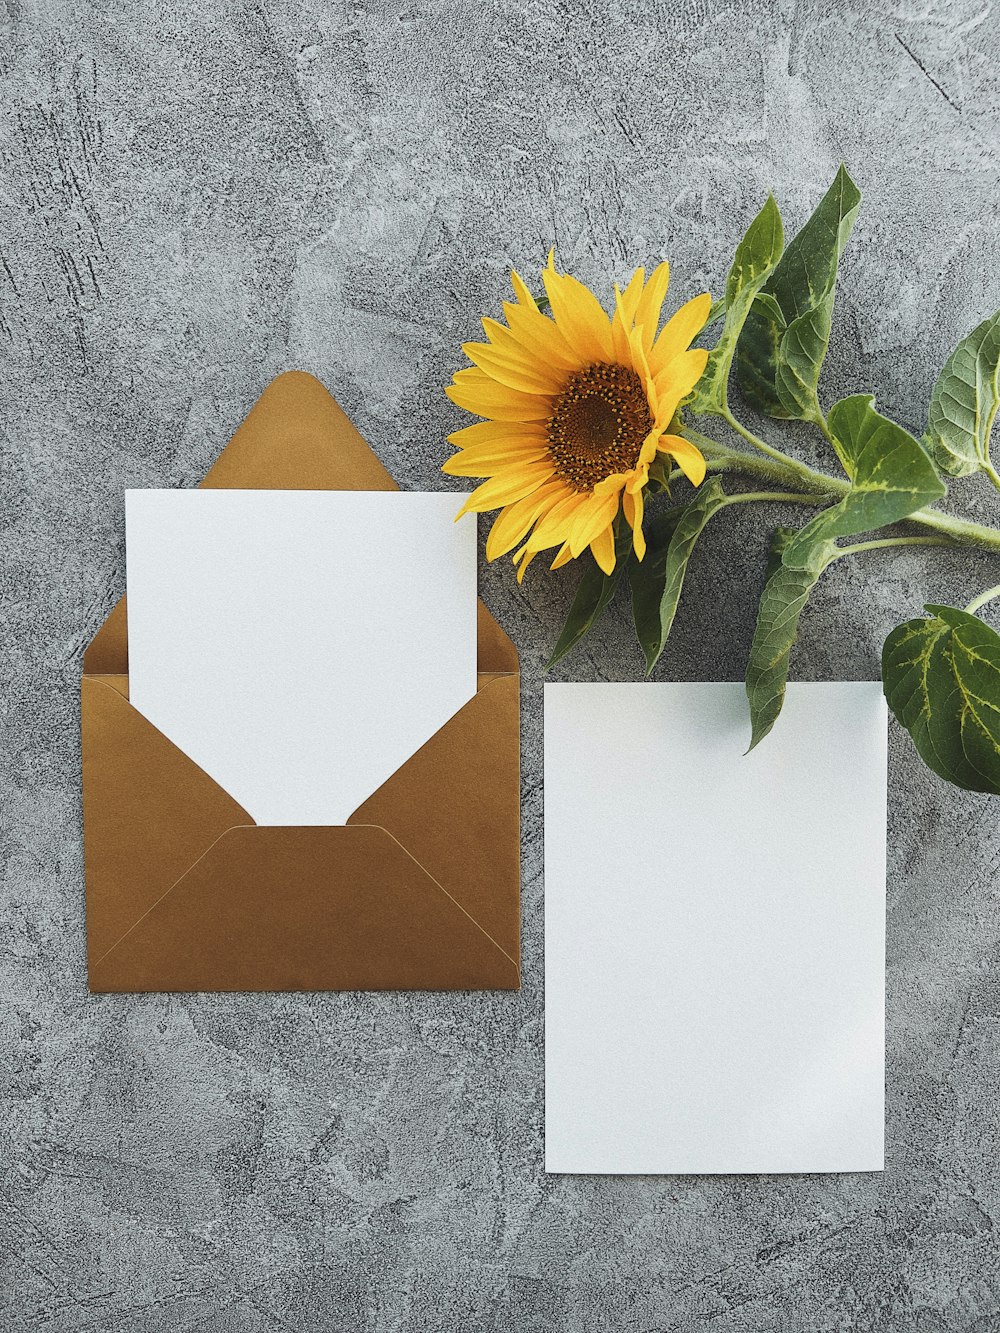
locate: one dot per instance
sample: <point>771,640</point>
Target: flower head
<point>577,406</point>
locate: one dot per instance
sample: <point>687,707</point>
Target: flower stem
<point>877,543</point>
<point>776,497</point>
<point>992,473</point>
<point>778,467</point>
<point>958,529</point>
<point>753,439</point>
<point>820,422</point>
<point>982,599</point>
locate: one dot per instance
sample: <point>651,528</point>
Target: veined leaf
<point>803,349</point>
<point>657,581</point>
<point>784,340</point>
<point>785,594</point>
<point>593,594</point>
<point>941,677</point>
<point>756,256</point>
<point>964,402</point>
<point>757,352</point>
<point>891,477</point>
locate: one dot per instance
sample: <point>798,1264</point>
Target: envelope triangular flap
<point>260,911</point>
<point>148,812</point>
<point>446,803</point>
<point>295,437</point>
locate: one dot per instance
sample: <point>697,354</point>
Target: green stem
<point>982,599</point>
<point>958,529</point>
<point>877,543</point>
<point>778,467</point>
<point>819,421</point>
<point>777,497</point>
<point>753,439</point>
<point>992,473</point>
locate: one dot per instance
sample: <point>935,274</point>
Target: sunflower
<point>576,406</point>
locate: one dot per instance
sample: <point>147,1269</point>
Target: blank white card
<point>714,930</point>
<point>299,645</point>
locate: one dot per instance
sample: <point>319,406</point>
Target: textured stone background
<point>196,196</point>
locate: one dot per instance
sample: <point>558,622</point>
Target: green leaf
<point>941,677</point>
<point>891,477</point>
<point>757,353</point>
<point>785,594</point>
<point>803,349</point>
<point>593,595</point>
<point>657,581</point>
<point>756,256</point>
<point>964,403</point>
<point>784,340</point>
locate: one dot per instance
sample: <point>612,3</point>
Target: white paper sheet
<point>299,645</point>
<point>714,930</point>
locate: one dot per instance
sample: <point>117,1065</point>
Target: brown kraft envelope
<point>418,891</point>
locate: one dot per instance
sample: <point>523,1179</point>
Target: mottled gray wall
<point>197,195</point>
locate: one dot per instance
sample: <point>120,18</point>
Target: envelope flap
<point>305,909</point>
<point>149,812</point>
<point>295,437</point>
<point>455,807</point>
<point>496,652</point>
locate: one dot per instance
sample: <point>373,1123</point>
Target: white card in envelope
<point>299,645</point>
<point>714,930</point>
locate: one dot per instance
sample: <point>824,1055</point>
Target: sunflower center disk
<point>598,425</point>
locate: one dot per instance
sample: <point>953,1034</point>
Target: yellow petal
<point>514,483</point>
<point>580,316</point>
<point>689,459</point>
<point>621,332</point>
<point>539,335</point>
<point>676,380</point>
<point>633,506</point>
<point>526,559</point>
<point>564,556</point>
<point>603,550</point>
<point>476,392</point>
<point>620,348</point>
<point>486,459</point>
<point>647,312</point>
<point>515,370</point>
<point>591,519</point>
<point>640,474</point>
<point>612,485</point>
<point>631,295</point>
<point>679,330</point>
<point>497,432</point>
<point>646,454</point>
<point>641,367</point>
<point>544,355</point>
<point>514,522</point>
<point>624,316</point>
<point>554,528</point>
<point>524,296</point>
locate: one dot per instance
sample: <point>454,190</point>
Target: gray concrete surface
<point>196,196</point>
